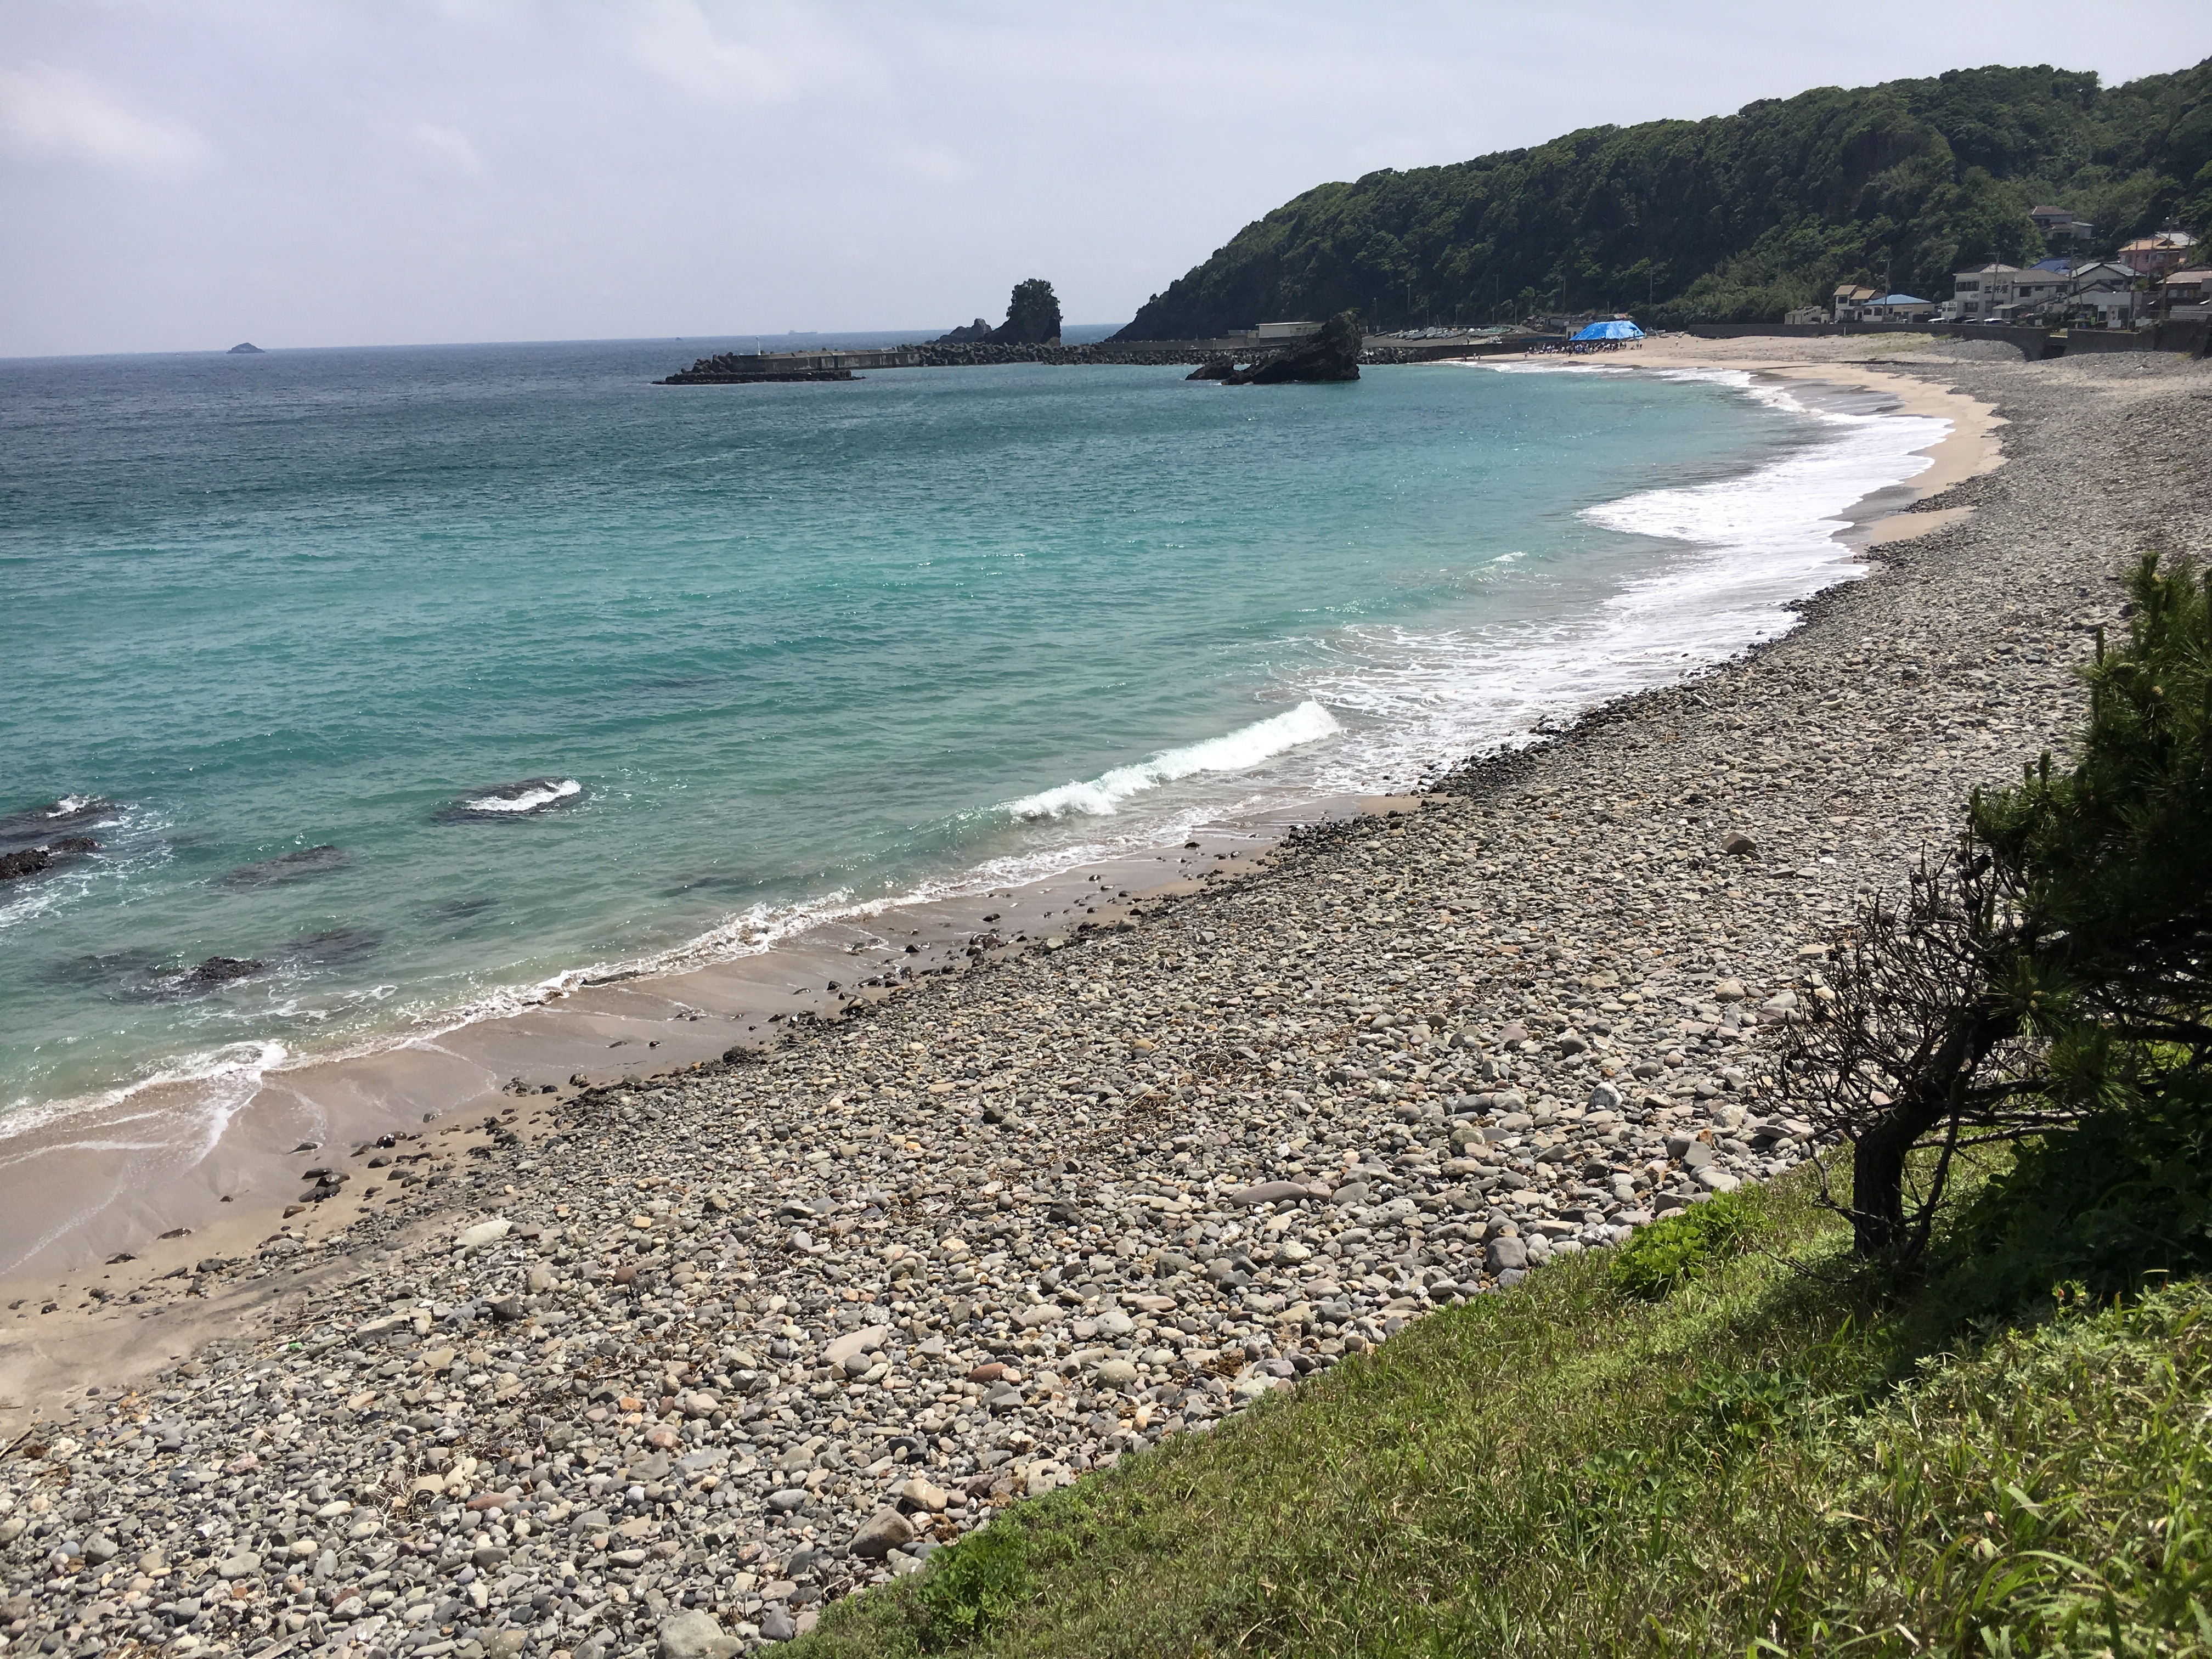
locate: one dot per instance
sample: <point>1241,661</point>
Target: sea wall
<point>2188,337</point>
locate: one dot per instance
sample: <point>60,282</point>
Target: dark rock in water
<point>511,801</point>
<point>978,330</point>
<point>286,866</point>
<point>220,970</point>
<point>1214,368</point>
<point>36,825</point>
<point>196,980</point>
<point>1331,355</point>
<point>14,866</point>
<point>244,349</point>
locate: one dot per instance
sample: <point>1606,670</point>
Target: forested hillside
<point>1736,218</point>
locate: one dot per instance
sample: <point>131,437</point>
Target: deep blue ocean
<point>417,676</point>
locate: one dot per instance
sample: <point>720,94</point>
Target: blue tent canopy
<point>1619,328</point>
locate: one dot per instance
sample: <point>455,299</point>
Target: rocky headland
<point>665,1365</point>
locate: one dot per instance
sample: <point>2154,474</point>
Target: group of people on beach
<point>1578,348</point>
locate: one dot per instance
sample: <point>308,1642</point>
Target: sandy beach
<point>692,1337</point>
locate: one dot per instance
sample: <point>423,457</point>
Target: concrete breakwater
<point>741,368</point>
<point>748,368</point>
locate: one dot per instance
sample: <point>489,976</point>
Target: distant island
<point>244,349</point>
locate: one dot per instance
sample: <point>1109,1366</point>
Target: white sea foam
<point>226,1079</point>
<point>1237,751</point>
<point>543,793</point>
<point>69,804</point>
<point>1753,546</point>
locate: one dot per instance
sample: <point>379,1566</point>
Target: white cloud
<point>933,164</point>
<point>680,45</point>
<point>447,147</point>
<point>49,112</point>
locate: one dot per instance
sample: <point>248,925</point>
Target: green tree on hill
<point>1734,218</point>
<point>1032,314</point>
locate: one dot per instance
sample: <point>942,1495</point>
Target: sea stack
<point>1331,355</point>
<point>244,349</point>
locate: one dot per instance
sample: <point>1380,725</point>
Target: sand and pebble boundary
<point>672,1362</point>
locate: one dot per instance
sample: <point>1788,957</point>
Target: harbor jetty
<point>751,368</point>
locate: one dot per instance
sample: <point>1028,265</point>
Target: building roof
<point>1903,299</point>
<point>1854,291</point>
<point>2062,266</point>
<point>2197,274</point>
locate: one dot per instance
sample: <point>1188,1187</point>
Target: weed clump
<point>1682,1247</point>
<point>977,1584</point>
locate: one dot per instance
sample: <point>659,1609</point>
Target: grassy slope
<point>1760,1459</point>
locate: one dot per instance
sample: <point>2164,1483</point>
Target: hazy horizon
<point>449,172</point>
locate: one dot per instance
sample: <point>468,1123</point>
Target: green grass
<point>1740,1444</point>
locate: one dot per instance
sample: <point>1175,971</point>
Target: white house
<point>1981,292</point>
<point>2062,222</point>
<point>2188,292</point>
<point>1845,303</point>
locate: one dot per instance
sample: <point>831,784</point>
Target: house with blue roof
<point>1896,308</point>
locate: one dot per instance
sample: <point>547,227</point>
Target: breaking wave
<point>1247,747</point>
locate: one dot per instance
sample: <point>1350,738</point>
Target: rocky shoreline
<point>668,1364</point>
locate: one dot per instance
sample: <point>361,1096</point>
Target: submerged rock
<point>295,865</point>
<point>35,825</point>
<point>219,970</point>
<point>513,801</point>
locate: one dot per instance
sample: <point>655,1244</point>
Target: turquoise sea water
<point>762,651</point>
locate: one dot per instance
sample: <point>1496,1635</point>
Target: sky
<point>184,174</point>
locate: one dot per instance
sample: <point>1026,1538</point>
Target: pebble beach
<point>665,1366</point>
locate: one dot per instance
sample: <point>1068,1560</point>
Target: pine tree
<point>2054,965</point>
